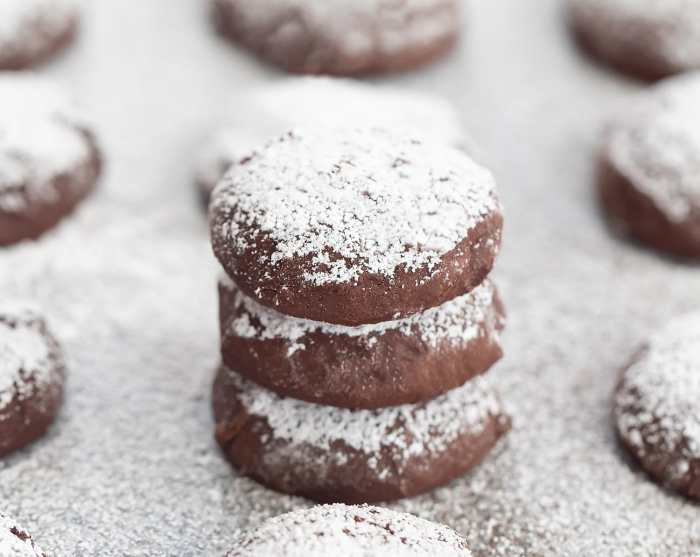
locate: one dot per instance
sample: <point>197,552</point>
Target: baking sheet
<point>129,286</point>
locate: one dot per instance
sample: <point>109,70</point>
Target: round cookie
<point>331,454</point>
<point>15,542</point>
<point>49,160</point>
<point>35,30</point>
<point>31,378</point>
<point>355,226</point>
<point>340,37</point>
<point>650,163</point>
<point>350,531</point>
<point>650,39</point>
<point>370,366</point>
<point>273,109</point>
<point>657,405</point>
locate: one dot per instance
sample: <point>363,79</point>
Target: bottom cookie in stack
<point>332,454</point>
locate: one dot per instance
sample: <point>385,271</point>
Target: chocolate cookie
<point>657,406</point>
<point>349,531</point>
<point>15,542</point>
<point>650,166</point>
<point>356,226</point>
<point>271,110</point>
<point>344,37</point>
<point>35,30</point>
<point>31,378</point>
<point>650,39</point>
<point>370,366</point>
<point>49,160</point>
<point>331,454</point>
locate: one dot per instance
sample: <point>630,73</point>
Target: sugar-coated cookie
<point>647,38</point>
<point>331,454</point>
<point>35,30</point>
<point>650,165</point>
<point>657,405</point>
<point>15,541</point>
<point>356,226</point>
<point>49,159</point>
<point>31,378</point>
<point>341,37</point>
<point>349,531</point>
<point>405,361</point>
<point>271,110</point>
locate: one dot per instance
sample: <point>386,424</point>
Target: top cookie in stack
<point>356,314</point>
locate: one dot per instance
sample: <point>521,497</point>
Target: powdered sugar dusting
<point>265,112</point>
<point>350,531</point>
<point>656,145</point>
<point>413,430</point>
<point>456,321</point>
<point>354,201</point>
<point>15,542</point>
<point>39,138</point>
<point>658,404</point>
<point>24,356</point>
<point>678,22</point>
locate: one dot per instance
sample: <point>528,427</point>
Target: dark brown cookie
<point>31,378</point>
<point>343,37</point>
<point>371,366</point>
<point>650,39</point>
<point>331,454</point>
<point>650,165</point>
<point>349,531</point>
<point>273,109</point>
<point>15,542</point>
<point>34,30</point>
<point>49,160</point>
<point>356,226</point>
<point>657,405</point>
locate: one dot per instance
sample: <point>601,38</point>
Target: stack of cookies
<point>356,314</point>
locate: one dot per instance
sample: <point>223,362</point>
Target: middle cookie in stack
<point>356,314</point>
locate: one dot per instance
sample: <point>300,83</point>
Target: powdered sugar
<point>350,531</point>
<point>456,321</point>
<point>39,138</point>
<point>656,145</point>
<point>25,361</point>
<point>677,22</point>
<point>268,111</point>
<point>15,542</point>
<point>658,404</point>
<point>412,430</point>
<point>354,201</point>
<point>27,25</point>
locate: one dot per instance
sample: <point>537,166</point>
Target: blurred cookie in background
<point>32,31</point>
<point>342,37</point>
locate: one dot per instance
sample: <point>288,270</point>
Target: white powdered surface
<point>356,28</point>
<point>289,103</point>
<point>356,200</point>
<point>679,19</point>
<point>38,138</point>
<point>129,286</point>
<point>656,145</point>
<point>456,321</point>
<point>24,357</point>
<point>14,541</point>
<point>18,18</point>
<point>664,385</point>
<point>412,430</point>
<point>350,531</point>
